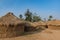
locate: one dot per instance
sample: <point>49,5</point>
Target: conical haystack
<point>31,26</point>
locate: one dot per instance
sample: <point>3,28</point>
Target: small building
<point>11,26</point>
<point>53,24</point>
<point>32,26</point>
<point>29,27</point>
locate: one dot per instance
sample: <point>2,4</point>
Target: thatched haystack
<point>11,26</point>
<point>40,24</point>
<point>54,24</point>
<point>32,26</point>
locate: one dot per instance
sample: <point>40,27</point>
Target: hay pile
<point>54,24</point>
<point>40,23</point>
<point>31,26</point>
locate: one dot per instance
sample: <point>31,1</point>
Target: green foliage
<point>20,16</point>
<point>50,18</point>
<point>28,16</point>
<point>36,18</point>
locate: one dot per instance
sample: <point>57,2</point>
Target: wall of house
<point>10,31</point>
<point>19,30</point>
<point>3,29</point>
<point>29,28</point>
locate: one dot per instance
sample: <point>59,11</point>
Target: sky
<point>43,8</point>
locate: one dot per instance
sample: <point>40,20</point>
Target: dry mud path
<point>47,34</point>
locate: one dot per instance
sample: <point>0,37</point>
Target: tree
<point>28,15</point>
<point>50,18</point>
<point>20,16</point>
<point>36,18</point>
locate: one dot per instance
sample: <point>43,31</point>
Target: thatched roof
<point>35,24</point>
<point>9,18</point>
<point>40,23</point>
<point>53,22</point>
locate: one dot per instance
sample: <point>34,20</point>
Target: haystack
<point>54,24</point>
<point>40,23</point>
<point>31,26</point>
<point>11,26</point>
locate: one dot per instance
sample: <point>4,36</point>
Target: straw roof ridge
<point>9,18</point>
<point>35,24</point>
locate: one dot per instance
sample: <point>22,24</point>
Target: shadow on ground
<point>32,32</point>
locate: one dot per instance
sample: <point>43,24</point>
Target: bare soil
<point>47,34</point>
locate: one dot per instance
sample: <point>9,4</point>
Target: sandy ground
<point>44,35</point>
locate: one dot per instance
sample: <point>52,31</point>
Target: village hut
<point>53,24</point>
<point>32,26</point>
<point>28,27</point>
<point>11,26</point>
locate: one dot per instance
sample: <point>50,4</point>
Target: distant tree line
<point>29,16</point>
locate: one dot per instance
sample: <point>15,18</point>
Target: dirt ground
<point>47,34</point>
